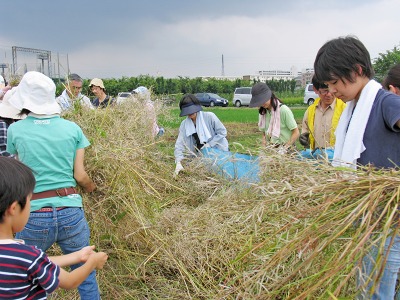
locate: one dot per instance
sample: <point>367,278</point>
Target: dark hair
<point>317,84</point>
<point>392,77</point>
<point>16,183</point>
<point>188,98</point>
<point>340,57</point>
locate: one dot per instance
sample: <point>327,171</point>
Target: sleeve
<point>219,129</point>
<point>180,144</point>
<point>391,111</point>
<point>44,272</point>
<point>304,124</point>
<point>82,141</point>
<point>289,119</point>
<point>10,141</point>
<point>3,139</point>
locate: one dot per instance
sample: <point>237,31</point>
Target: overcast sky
<point>112,38</point>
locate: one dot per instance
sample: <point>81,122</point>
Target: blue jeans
<point>386,286</point>
<point>70,230</point>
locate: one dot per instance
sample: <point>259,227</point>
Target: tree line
<point>183,85</point>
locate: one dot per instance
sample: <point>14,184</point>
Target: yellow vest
<point>339,107</point>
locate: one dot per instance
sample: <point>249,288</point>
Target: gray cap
<point>190,108</point>
<point>260,93</point>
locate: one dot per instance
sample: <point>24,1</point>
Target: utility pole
<point>222,71</point>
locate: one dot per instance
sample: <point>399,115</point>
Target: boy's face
<point>345,89</point>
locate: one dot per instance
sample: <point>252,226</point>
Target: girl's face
<point>192,116</point>
<point>267,105</point>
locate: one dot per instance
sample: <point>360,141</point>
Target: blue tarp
<point>317,154</point>
<point>234,166</point>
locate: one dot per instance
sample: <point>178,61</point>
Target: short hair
<point>16,183</point>
<point>340,57</point>
<point>317,84</point>
<point>75,77</point>
<point>188,98</point>
<point>392,77</point>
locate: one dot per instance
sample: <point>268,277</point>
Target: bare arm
<point>295,135</point>
<point>398,123</point>
<point>71,280</point>
<point>80,175</point>
<point>73,258</point>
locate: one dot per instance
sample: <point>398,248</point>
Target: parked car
<point>241,96</point>
<point>210,99</point>
<point>309,94</point>
<point>123,96</point>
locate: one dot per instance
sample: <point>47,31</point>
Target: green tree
<point>385,61</point>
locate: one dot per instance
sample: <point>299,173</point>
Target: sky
<point>171,38</point>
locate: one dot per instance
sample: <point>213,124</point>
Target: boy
<point>368,132</point>
<point>27,272</point>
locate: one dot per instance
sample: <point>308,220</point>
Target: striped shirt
<point>26,272</point>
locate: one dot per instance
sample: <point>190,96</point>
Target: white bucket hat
<point>37,93</point>
<point>6,109</point>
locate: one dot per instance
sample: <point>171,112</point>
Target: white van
<point>241,96</point>
<point>309,94</point>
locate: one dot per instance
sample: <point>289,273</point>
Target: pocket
<point>77,235</point>
<point>36,237</point>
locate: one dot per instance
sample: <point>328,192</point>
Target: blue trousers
<point>69,229</point>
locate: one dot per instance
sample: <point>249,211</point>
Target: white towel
<point>201,128</point>
<point>274,128</point>
<point>350,130</point>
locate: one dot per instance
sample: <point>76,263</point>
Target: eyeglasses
<point>324,91</point>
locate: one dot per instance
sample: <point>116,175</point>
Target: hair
<point>340,57</point>
<point>75,77</point>
<point>392,77</point>
<point>16,183</point>
<point>275,101</point>
<point>188,98</point>
<point>317,84</point>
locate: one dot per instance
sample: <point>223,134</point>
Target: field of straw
<point>298,234</point>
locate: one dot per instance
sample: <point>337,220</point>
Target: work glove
<point>178,168</point>
<point>282,150</point>
<point>205,146</point>
<point>304,139</point>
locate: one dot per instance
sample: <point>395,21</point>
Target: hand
<point>304,139</point>
<point>98,259</point>
<point>178,168</point>
<point>85,252</point>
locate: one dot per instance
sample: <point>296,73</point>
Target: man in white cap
<point>72,94</point>
<point>54,149</point>
<point>102,100</point>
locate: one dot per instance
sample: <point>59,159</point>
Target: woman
<point>200,129</point>
<point>8,115</point>
<point>54,149</point>
<point>276,120</point>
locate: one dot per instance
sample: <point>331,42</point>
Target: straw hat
<point>7,110</point>
<point>37,93</point>
<point>97,82</point>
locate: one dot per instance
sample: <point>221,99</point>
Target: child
<point>27,272</point>
<point>368,132</point>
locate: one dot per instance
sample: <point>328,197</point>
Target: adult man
<point>72,93</point>
<point>368,133</point>
<point>321,119</point>
<point>102,100</point>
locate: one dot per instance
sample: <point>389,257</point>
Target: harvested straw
<point>300,233</point>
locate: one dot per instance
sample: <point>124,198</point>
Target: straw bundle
<point>298,234</point>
